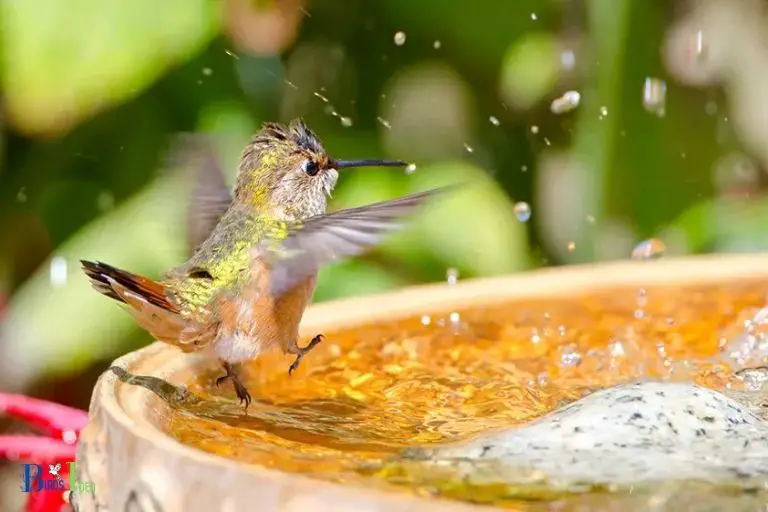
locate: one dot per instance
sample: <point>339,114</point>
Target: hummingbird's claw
<point>240,390</point>
<point>242,393</point>
<point>302,351</point>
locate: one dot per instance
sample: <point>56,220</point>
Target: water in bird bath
<point>359,405</point>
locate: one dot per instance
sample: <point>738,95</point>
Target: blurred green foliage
<point>94,92</point>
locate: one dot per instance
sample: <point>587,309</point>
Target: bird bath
<point>449,396</point>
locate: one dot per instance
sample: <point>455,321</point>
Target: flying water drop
<point>400,38</point>
<point>410,169</point>
<point>494,121</point>
<point>652,248</point>
<point>58,271</point>
<point>384,123</point>
<point>452,276</point>
<point>565,103</point>
<point>655,96</point>
<point>522,211</point>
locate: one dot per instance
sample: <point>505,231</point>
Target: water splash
<point>570,356</point>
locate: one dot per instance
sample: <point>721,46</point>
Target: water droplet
<point>591,219</point>
<point>524,168</point>
<point>69,436</point>
<point>603,112</point>
<point>494,121</point>
<point>346,121</point>
<point>400,38</point>
<point>699,47</point>
<point>655,96</point>
<point>522,211</point>
<point>753,378</point>
<point>469,148</point>
<point>452,276</point>
<point>571,246</point>
<point>454,317</point>
<point>384,123</point>
<point>533,16</point>
<point>425,320</point>
<point>535,338</point>
<point>534,129</point>
<point>565,103</point>
<point>231,54</point>
<point>649,249</point>
<point>21,196</point>
<point>568,59</point>
<point>570,356</point>
<point>207,71</point>
<point>58,271</point>
<point>410,169</point>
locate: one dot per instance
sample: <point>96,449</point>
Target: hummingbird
<point>256,252</point>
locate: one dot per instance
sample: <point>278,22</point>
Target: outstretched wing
<point>330,237</point>
<point>210,195</point>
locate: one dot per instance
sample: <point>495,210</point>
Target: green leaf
<point>63,62</point>
<point>473,228</point>
<point>61,329</point>
<point>530,69</point>
<point>353,277</point>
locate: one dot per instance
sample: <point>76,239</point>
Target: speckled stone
<point>628,435</point>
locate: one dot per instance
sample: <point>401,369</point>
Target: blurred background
<point>592,130</point>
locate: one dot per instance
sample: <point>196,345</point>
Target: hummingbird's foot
<point>301,352</point>
<point>240,390</point>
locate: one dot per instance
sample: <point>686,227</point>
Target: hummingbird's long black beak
<point>343,164</point>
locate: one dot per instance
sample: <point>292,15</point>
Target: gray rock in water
<point>628,435</point>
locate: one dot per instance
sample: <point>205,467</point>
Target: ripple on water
<point>386,388</point>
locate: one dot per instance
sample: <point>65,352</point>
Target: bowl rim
<point>126,406</point>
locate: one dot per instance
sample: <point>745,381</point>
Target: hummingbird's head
<point>285,171</point>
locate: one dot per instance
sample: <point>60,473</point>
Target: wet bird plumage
<point>256,251</point>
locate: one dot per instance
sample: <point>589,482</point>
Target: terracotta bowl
<point>136,466</point>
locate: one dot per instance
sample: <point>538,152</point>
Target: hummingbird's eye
<point>310,167</point>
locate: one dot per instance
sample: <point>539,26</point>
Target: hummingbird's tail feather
<point>146,299</point>
<point>104,278</point>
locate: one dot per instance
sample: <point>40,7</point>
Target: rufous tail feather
<point>146,299</point>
